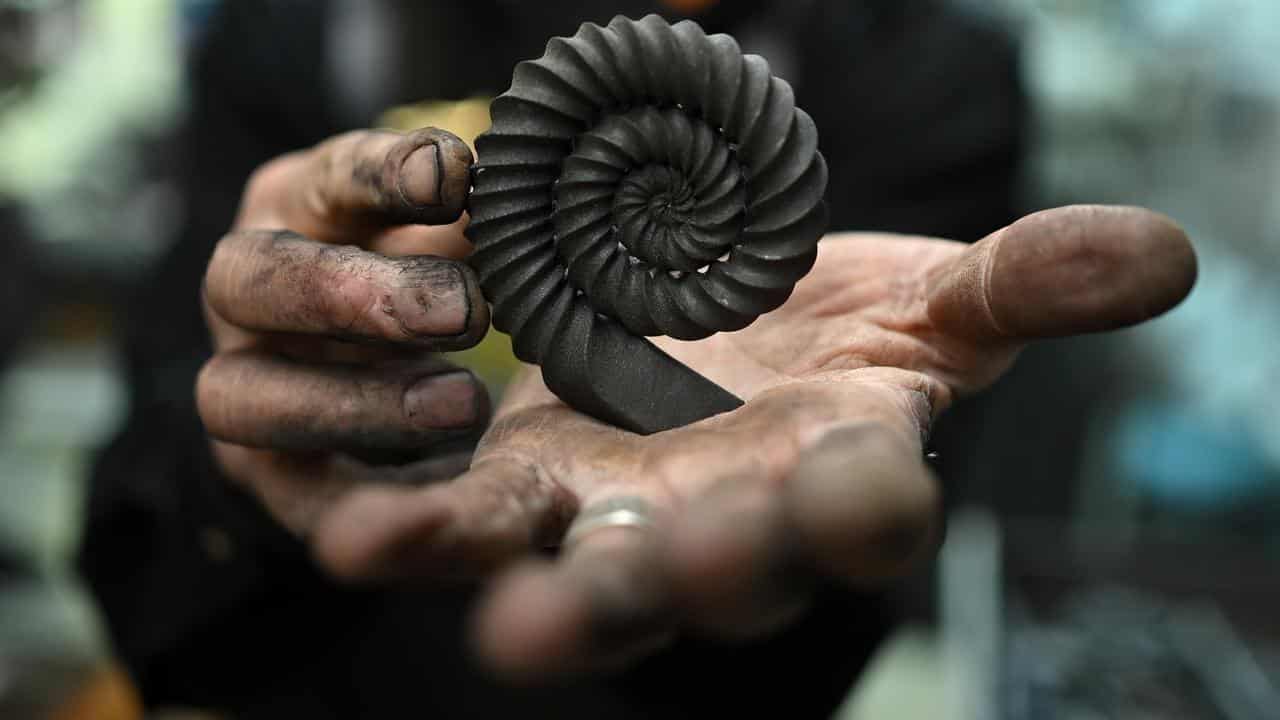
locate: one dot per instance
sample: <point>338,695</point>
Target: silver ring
<point>617,512</point>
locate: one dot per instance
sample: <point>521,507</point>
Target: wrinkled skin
<point>818,476</point>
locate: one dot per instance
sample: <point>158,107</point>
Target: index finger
<point>278,281</point>
<point>359,183</point>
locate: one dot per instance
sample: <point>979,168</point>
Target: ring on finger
<point>618,512</point>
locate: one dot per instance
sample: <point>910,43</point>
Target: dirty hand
<point>819,476</point>
<point>326,301</point>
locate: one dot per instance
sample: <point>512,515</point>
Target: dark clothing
<point>22,287</point>
<point>211,604</point>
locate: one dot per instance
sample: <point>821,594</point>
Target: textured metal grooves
<point>641,179</point>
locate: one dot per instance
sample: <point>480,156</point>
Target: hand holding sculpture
<point>721,524</point>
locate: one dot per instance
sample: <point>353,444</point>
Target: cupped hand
<point>326,301</point>
<point>818,476</point>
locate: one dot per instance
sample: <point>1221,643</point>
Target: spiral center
<point>655,211</point>
<point>647,204</point>
<point>670,186</point>
<point>672,199</point>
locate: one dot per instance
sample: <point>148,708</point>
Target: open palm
<point>820,473</point>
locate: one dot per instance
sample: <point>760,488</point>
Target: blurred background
<point>1113,547</point>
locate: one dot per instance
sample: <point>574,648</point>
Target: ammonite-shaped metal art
<point>641,179</point>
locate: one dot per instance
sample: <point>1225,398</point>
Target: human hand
<point>326,301</point>
<point>819,475</point>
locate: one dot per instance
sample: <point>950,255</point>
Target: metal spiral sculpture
<point>641,179</point>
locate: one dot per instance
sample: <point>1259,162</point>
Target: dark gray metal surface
<point>641,179</point>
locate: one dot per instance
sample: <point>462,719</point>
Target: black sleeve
<point>182,563</point>
<point>922,113</point>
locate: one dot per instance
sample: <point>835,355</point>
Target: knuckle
<point>263,190</point>
<point>261,180</point>
<point>346,562</point>
<point>345,567</point>
<point>339,281</point>
<point>243,264</point>
<point>210,283</point>
<point>238,463</point>
<point>329,166</point>
<point>357,166</point>
<point>357,304</point>
<point>338,151</point>
<point>209,396</point>
<point>217,385</point>
<point>223,263</point>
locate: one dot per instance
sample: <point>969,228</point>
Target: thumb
<point>1065,271</point>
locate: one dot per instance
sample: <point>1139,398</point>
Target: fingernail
<point>438,304</point>
<point>442,401</point>
<point>420,176</point>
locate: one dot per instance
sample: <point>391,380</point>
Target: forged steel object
<point>641,179</point>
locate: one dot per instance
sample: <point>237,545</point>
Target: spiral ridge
<point>645,175</point>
